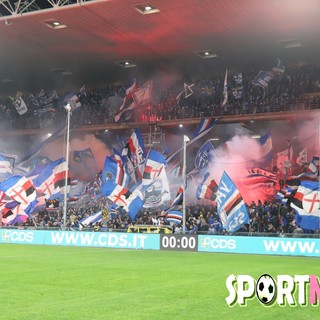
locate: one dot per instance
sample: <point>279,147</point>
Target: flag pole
<point>68,109</point>
<point>185,140</point>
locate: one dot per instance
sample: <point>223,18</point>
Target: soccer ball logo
<point>266,289</point>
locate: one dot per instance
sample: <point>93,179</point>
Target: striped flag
<point>142,95</point>
<point>174,217</point>
<point>177,201</point>
<point>306,203</point>
<point>232,209</point>
<point>114,171</point>
<point>155,163</point>
<point>135,97</point>
<point>207,188</point>
<point>312,172</point>
<point>44,182</point>
<point>96,217</point>
<point>134,156</point>
<point>263,78</point>
<point>21,190</point>
<point>128,96</point>
<point>13,213</point>
<point>204,127</point>
<point>60,170</point>
<point>131,202</point>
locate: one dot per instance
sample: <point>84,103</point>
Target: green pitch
<point>51,282</point>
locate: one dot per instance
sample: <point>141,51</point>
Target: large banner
<point>260,245</point>
<point>181,242</point>
<point>82,239</point>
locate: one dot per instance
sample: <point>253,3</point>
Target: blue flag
<point>174,217</point>
<point>204,155</point>
<point>306,203</point>
<point>96,217</point>
<point>263,78</point>
<point>231,207</point>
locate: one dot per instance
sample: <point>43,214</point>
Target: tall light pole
<point>185,140</point>
<point>68,109</point>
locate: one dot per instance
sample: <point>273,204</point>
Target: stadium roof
<point>94,35</point>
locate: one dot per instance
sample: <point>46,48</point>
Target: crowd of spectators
<point>265,218</point>
<point>296,88</point>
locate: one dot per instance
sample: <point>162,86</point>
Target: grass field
<point>51,282</point>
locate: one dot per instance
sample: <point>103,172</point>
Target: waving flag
<point>237,85</point>
<point>113,170</point>
<point>13,213</point>
<point>117,156</point>
<point>312,172</point>
<point>142,95</point>
<point>207,188</point>
<point>178,198</point>
<point>131,202</point>
<point>19,189</point>
<point>266,147</point>
<point>134,155</point>
<point>262,180</point>
<point>59,168</point>
<point>279,68</point>
<point>306,203</point>
<point>263,78</point>
<point>134,96</point>
<point>204,155</point>
<point>232,210</point>
<point>174,216</point>
<point>155,163</point>
<point>225,89</point>
<point>37,148</point>
<point>158,192</point>
<point>44,182</point>
<point>20,105</point>
<point>128,96</point>
<point>72,99</point>
<point>47,99</point>
<point>175,203</point>
<point>96,217</point>
<point>204,126</point>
